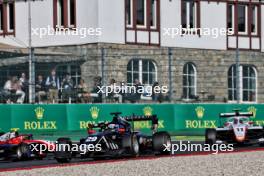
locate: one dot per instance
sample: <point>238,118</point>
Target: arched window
<point>189,81</point>
<point>143,70</point>
<point>247,82</point>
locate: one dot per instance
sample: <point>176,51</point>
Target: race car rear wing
<point>127,119</point>
<point>134,118</point>
<point>234,114</point>
<point>152,118</point>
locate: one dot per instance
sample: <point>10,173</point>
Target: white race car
<point>237,129</point>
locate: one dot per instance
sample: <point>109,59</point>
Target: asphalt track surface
<point>49,161</point>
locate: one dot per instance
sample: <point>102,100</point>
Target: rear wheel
<point>63,153</point>
<point>161,142</point>
<point>210,136</point>
<point>131,145</point>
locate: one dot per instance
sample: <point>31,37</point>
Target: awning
<point>8,51</point>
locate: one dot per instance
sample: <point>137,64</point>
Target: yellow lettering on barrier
<point>84,124</point>
<point>147,124</point>
<point>27,125</point>
<point>46,125</point>
<point>188,124</point>
<point>200,124</point>
<point>259,122</point>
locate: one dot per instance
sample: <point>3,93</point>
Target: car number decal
<point>91,139</point>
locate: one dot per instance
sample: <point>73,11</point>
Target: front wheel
<point>210,136</point>
<point>161,142</point>
<point>63,153</point>
<point>22,151</point>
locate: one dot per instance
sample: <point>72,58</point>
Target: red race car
<point>20,147</point>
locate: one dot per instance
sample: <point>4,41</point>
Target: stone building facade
<point>111,61</point>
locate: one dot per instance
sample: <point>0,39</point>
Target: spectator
<point>97,84</point>
<point>134,97</point>
<point>7,90</point>
<point>40,88</point>
<point>147,92</point>
<point>112,84</point>
<point>13,86</point>
<point>23,81</point>
<point>83,92</point>
<point>114,95</point>
<point>137,84</point>
<point>67,82</point>
<point>67,87</point>
<point>53,85</point>
<point>17,86</point>
<point>156,96</point>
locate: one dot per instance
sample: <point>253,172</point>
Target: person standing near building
<point>24,84</point>
<point>67,88</point>
<point>53,85</point>
<point>40,88</point>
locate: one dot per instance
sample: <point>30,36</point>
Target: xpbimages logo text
<point>147,90</point>
<point>54,147</point>
<point>188,146</point>
<point>185,31</point>
<point>61,31</point>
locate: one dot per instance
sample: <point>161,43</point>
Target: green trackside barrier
<point>72,119</point>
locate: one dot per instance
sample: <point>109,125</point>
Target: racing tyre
<point>261,144</point>
<point>160,142</point>
<point>63,154</point>
<point>22,152</point>
<point>131,145</point>
<point>210,136</point>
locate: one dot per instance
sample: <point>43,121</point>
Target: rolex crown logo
<point>200,112</point>
<point>39,112</point>
<point>94,112</point>
<point>147,111</point>
<point>253,110</point>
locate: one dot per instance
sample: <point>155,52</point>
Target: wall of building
<point>110,17</point>
<point>90,14</point>
<point>172,19</point>
<point>262,28</point>
<point>111,20</point>
<point>212,67</point>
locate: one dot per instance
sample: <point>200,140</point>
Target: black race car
<point>114,139</point>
